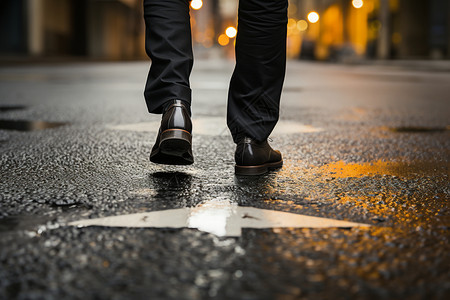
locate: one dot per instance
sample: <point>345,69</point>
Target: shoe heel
<point>257,170</point>
<point>177,134</point>
<point>250,170</point>
<point>176,142</point>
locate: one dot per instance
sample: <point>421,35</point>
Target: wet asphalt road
<point>376,152</point>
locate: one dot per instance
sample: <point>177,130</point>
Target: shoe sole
<point>257,170</point>
<point>175,148</point>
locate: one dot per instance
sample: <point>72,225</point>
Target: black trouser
<point>257,81</point>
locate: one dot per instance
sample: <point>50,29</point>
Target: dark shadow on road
<point>6,108</point>
<point>28,125</point>
<point>172,187</point>
<point>254,188</point>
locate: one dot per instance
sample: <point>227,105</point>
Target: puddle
<point>419,129</point>
<point>12,107</point>
<point>28,125</point>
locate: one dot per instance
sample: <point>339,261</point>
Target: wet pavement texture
<point>371,145</point>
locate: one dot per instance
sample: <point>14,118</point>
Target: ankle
<point>169,103</point>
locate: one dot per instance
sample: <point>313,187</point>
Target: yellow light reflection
<point>302,25</point>
<point>393,200</point>
<point>231,32</point>
<point>313,17</point>
<point>357,3</point>
<point>196,4</point>
<point>291,23</point>
<point>223,40</point>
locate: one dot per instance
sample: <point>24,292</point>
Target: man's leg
<point>256,84</point>
<point>169,45</point>
<point>257,81</point>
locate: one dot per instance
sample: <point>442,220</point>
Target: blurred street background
<point>364,130</point>
<point>325,30</point>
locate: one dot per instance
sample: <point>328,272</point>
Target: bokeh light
<point>196,4</point>
<point>357,3</point>
<point>292,23</point>
<point>231,32</point>
<point>223,40</point>
<point>313,17</point>
<point>302,25</point>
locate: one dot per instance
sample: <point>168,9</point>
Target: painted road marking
<point>218,216</point>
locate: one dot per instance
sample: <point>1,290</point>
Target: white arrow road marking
<point>217,126</point>
<point>219,217</point>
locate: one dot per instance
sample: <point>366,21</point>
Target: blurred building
<point>106,29</point>
<point>339,29</point>
<point>383,29</point>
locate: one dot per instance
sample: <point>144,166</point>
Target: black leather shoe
<point>256,158</point>
<point>173,145</point>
